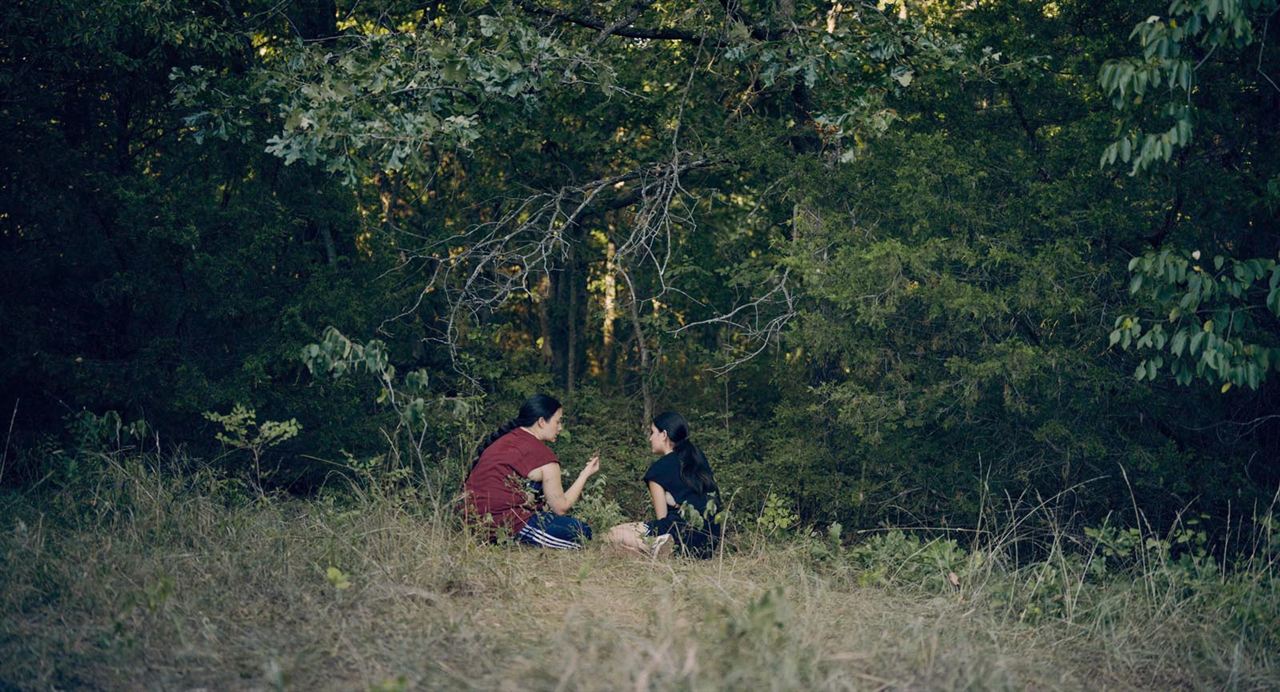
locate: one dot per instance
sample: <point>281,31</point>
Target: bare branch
<point>758,322</point>
<point>1262,45</point>
<point>480,269</point>
<point>636,10</point>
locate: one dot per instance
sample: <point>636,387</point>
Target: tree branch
<point>759,321</point>
<point>622,28</point>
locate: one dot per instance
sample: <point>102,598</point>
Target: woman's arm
<point>659,496</point>
<point>560,500</point>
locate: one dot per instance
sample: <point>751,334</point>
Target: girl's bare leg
<point>628,537</point>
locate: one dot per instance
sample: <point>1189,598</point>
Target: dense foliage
<point>867,247</point>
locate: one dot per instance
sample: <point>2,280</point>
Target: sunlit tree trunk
<point>610,308</point>
<point>542,299</point>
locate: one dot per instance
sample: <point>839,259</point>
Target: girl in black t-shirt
<point>684,494</point>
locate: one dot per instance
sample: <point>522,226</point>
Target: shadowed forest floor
<point>148,589</point>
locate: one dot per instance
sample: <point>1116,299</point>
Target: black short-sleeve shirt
<point>666,473</point>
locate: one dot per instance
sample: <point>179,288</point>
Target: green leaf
<point>337,578</point>
<point>1196,340</point>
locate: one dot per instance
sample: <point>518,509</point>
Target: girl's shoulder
<point>531,451</point>
<point>663,468</point>
<point>519,448</point>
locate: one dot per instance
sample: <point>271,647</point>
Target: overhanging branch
<point>615,28</point>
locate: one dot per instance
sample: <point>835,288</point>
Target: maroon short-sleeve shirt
<point>496,486</point>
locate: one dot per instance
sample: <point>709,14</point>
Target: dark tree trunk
<point>642,345</point>
<point>567,315</point>
<point>330,251</point>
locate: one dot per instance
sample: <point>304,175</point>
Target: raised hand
<point>593,465</point>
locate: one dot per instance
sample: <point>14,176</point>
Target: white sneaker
<point>661,546</point>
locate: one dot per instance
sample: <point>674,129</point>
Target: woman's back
<point>496,486</point>
<point>513,468</point>
<point>666,473</point>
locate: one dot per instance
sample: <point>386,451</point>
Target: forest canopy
<point>893,259</point>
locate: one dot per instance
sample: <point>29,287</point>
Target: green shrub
<point>777,519</point>
<point>898,558</point>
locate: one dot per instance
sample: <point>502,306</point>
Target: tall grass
<point>133,577</point>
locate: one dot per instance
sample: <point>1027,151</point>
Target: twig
<point>750,320</point>
<point>4,458</point>
<point>1262,46</point>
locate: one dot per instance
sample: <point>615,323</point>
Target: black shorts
<point>700,543</point>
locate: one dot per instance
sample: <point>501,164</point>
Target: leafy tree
<point>158,278</point>
<point>867,248</point>
<point>1206,62</point>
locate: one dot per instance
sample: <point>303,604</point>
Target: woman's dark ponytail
<point>695,471</point>
<point>533,408</point>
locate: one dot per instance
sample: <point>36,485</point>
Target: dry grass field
<point>154,584</point>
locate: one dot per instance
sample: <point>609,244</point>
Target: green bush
<point>897,558</point>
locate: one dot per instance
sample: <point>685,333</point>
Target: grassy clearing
<point>156,583</point>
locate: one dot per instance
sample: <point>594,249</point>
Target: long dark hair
<point>533,408</point>
<point>694,469</point>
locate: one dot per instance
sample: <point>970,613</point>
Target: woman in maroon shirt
<point>514,485</point>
